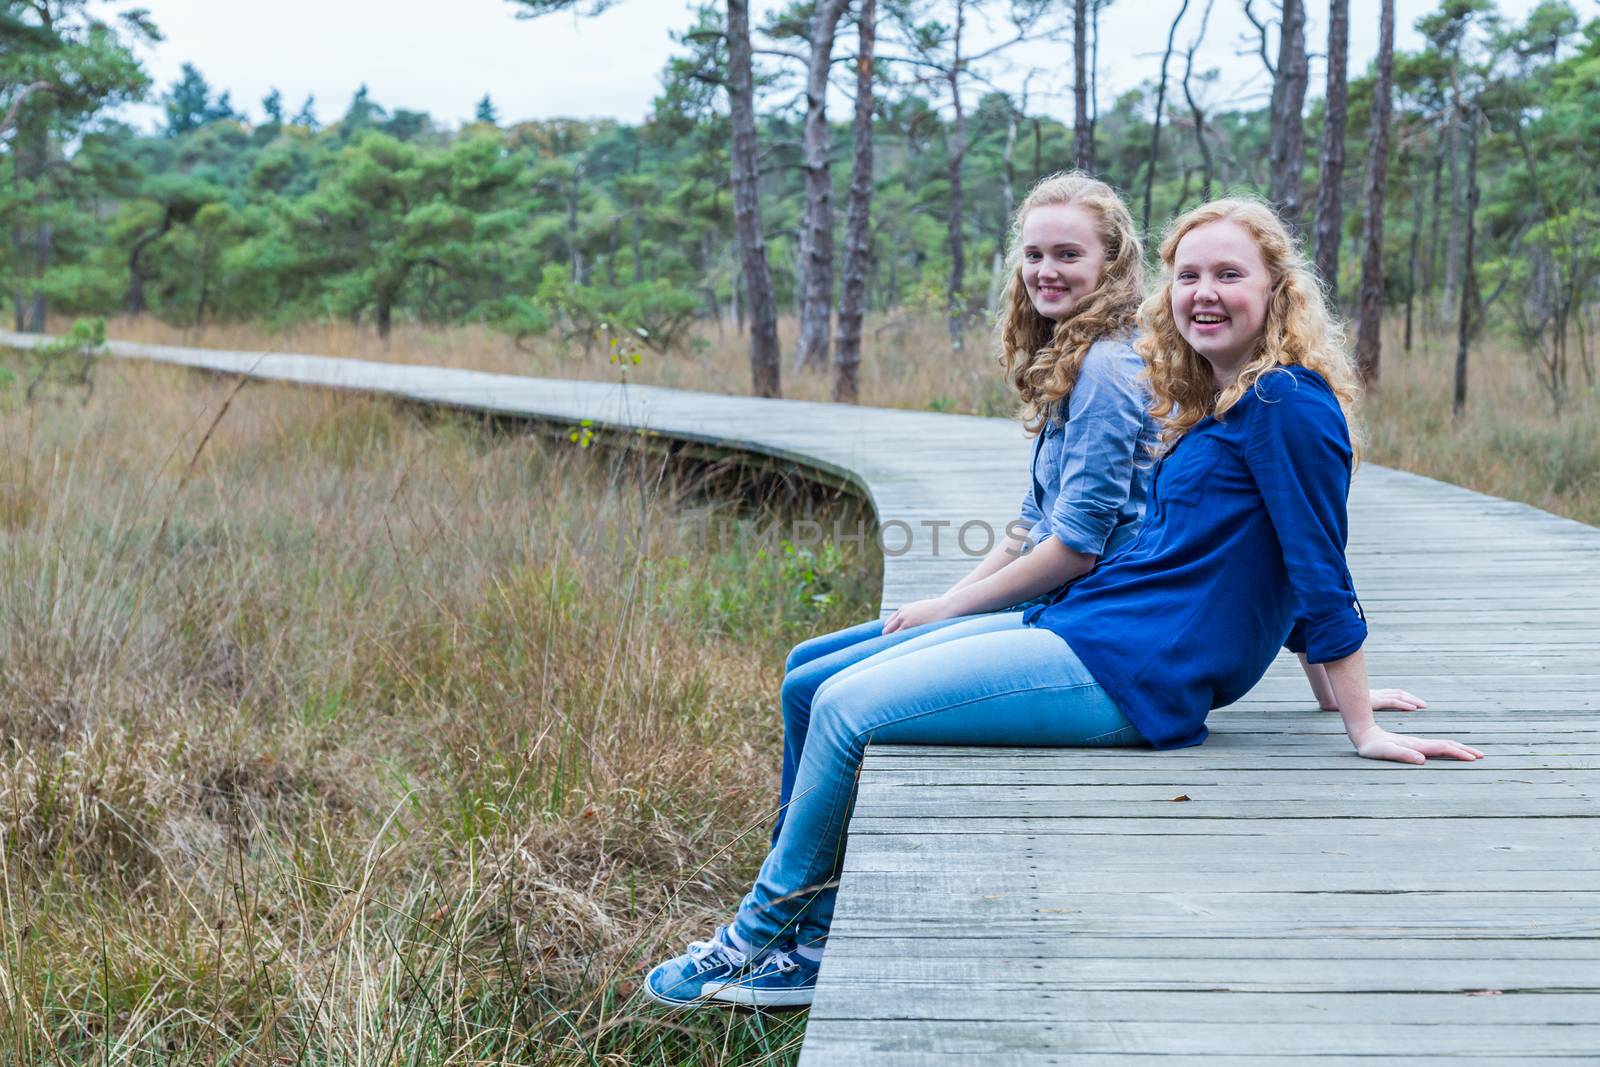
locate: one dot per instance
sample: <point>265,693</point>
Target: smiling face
<point>1062,257</point>
<point>1220,290</point>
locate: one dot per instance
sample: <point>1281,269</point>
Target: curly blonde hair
<point>1042,357</point>
<point>1300,328</point>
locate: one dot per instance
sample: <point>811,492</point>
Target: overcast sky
<point>442,58</point>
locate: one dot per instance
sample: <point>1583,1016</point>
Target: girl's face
<point>1062,258</point>
<point>1220,290</point>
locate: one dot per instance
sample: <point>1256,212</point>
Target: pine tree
<point>187,102</point>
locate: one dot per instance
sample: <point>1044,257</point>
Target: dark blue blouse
<point>1240,554</point>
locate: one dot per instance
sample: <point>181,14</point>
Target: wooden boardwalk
<point>1265,898</point>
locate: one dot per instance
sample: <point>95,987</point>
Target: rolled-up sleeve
<point>1298,451</point>
<point>1104,416</point>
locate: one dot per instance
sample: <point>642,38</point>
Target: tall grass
<point>1509,443</point>
<point>337,731</point>
<point>906,357</point>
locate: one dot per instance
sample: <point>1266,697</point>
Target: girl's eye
<point>1186,275</point>
<point>1069,255</point>
<point>1031,257</point>
<point>1229,274</point>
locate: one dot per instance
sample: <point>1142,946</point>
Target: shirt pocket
<point>1182,476</point>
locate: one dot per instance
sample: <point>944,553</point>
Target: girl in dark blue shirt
<point>1240,554</point>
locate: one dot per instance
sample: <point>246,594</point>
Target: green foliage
<point>566,226</point>
<point>68,361</point>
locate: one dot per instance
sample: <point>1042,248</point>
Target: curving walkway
<point>1264,898</point>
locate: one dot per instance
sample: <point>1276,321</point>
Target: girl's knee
<point>798,655</point>
<point>795,697</point>
<point>834,717</point>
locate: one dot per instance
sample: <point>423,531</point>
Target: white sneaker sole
<point>668,1002</point>
<point>749,997</point>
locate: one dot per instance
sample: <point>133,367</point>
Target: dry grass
<point>906,360</point>
<point>341,732</point>
<point>1509,444</point>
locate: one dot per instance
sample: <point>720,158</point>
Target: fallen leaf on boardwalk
<point>1180,796</point>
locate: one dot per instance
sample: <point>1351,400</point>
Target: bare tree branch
<point>22,98</point>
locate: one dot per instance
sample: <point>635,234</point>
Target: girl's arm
<point>1322,689</point>
<point>1044,567</point>
<point>1348,678</point>
<point>1011,548</point>
<point>1298,451</point>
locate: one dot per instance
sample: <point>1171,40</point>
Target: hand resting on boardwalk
<point>1348,679</point>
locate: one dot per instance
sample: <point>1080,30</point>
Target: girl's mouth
<point>1206,320</point>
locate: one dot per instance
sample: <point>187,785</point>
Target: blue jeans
<point>813,662</point>
<point>983,680</point>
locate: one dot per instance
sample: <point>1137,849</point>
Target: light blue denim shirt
<point>1091,469</point>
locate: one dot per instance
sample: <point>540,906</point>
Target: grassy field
<point>340,732</point>
<point>1508,444</point>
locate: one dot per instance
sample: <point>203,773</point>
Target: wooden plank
<point>861,1041</point>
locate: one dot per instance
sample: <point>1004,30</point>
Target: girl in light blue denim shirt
<point>1065,332</point>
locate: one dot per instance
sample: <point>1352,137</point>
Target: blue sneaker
<point>682,982</point>
<point>774,979</point>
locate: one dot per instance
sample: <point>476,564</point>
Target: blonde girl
<point>1075,280</point>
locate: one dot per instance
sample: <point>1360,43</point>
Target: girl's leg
<point>817,660</point>
<point>1010,686</point>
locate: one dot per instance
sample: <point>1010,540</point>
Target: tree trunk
<point>135,300</point>
<point>1452,248</point>
<point>1161,99</point>
<point>956,311</point>
<point>31,159</point>
<point>611,251</point>
<point>816,229</point>
<point>1435,231</point>
<point>1082,142</point>
<point>1094,73</point>
<point>1377,177</point>
<point>764,357</point>
<point>858,231</point>
<point>1194,109</point>
<point>1331,172</point>
<point>1414,263</point>
<point>1008,178</point>
<point>1469,287</point>
<point>1286,155</point>
<point>575,253</point>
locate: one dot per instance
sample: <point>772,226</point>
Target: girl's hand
<point>1389,700</point>
<point>918,613</point>
<point>1378,743</point>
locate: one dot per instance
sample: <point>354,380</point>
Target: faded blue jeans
<point>812,663</point>
<point>983,680</point>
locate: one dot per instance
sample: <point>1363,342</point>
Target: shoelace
<point>714,952</point>
<point>779,959</point>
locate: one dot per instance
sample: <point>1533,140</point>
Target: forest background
<point>1480,154</point>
